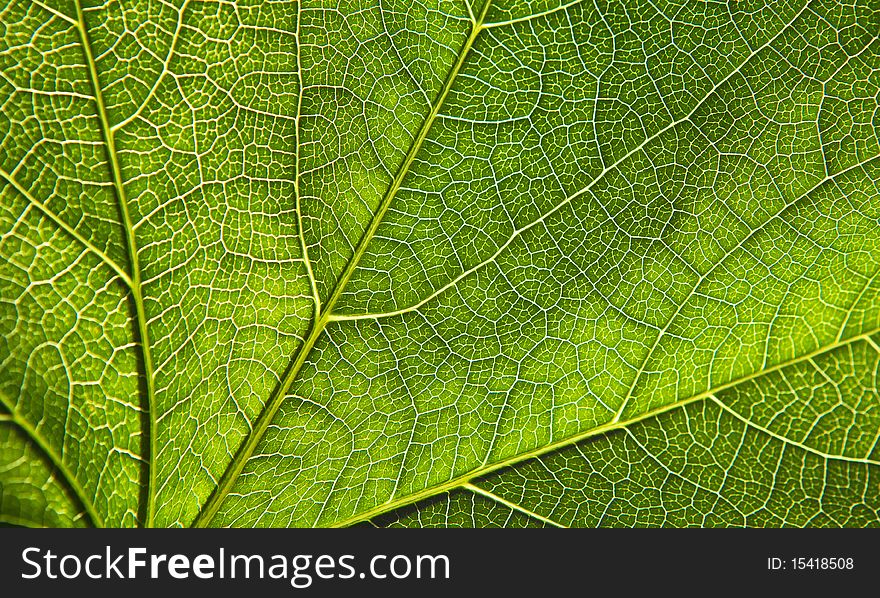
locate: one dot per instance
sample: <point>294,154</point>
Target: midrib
<point>131,247</point>
<point>267,415</point>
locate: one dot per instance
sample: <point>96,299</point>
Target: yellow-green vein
<point>84,499</point>
<point>131,244</point>
<point>233,471</point>
<point>66,227</point>
<point>470,476</point>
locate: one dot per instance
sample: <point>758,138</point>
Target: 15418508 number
<point>822,563</point>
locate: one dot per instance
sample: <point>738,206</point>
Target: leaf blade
<point>648,474</point>
<point>456,392</point>
<point>396,251</point>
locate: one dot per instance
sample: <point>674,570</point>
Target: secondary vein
<point>462,481</point>
<point>511,505</point>
<point>313,283</point>
<point>84,499</point>
<point>789,441</point>
<point>236,466</point>
<point>123,275</point>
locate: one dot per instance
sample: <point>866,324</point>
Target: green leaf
<point>755,453</point>
<point>512,263</point>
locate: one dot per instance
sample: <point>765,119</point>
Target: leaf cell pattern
<point>439,263</point>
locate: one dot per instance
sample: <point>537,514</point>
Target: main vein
<point>236,466</point>
<point>131,246</point>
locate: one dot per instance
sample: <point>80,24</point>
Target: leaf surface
<point>432,263</point>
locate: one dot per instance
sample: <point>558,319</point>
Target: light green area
<point>782,461</point>
<point>517,263</point>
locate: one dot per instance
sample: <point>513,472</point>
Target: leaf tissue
<point>440,263</point>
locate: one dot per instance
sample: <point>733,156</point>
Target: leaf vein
<point>611,426</point>
<point>511,505</point>
<point>131,245</point>
<point>56,460</point>
<point>270,409</point>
